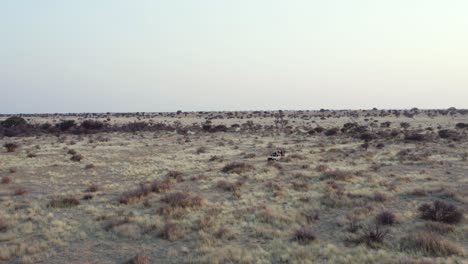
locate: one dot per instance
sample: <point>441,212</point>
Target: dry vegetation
<point>376,186</point>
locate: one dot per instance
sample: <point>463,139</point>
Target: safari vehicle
<point>276,156</point>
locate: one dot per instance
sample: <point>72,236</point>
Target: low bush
<point>386,218</point>
<point>440,211</point>
<point>10,147</point>
<point>238,167</point>
<point>304,235</point>
<point>64,202</point>
<point>431,244</point>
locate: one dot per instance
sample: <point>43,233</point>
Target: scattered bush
<point>92,124</point>
<point>373,234</point>
<point>304,235</point>
<point>64,202</point>
<point>229,186</point>
<point>6,180</point>
<point>140,258</point>
<point>380,197</point>
<point>440,211</point>
<point>158,186</point>
<point>13,121</point>
<point>10,147</point>
<point>238,167</point>
<point>415,137</point>
<point>3,225</point>
<point>201,150</point>
<point>175,175</point>
<point>171,232</point>
<point>89,166</point>
<point>431,244</point>
<point>331,132</point>
<point>20,191</point>
<point>66,125</point>
<point>449,134</point>
<point>385,218</point>
<point>93,188</point>
<point>182,200</point>
<point>76,157</point>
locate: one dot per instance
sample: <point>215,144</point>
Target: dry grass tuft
<point>182,200</point>
<point>440,228</point>
<point>93,188</point>
<point>431,244</point>
<point>20,191</point>
<point>304,235</point>
<point>140,258</point>
<point>6,180</point>
<point>238,167</point>
<point>64,202</point>
<point>337,175</point>
<point>171,231</point>
<point>3,225</point>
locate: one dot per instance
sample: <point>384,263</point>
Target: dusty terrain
<point>186,195</point>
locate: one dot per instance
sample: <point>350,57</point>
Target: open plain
<point>368,186</point>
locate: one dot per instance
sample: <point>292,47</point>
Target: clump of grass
<point>10,147</point>
<point>238,167</point>
<point>93,188</point>
<point>338,175</point>
<point>250,156</point>
<point>64,202</point>
<point>6,180</point>
<point>159,186</point>
<point>386,218</point>
<point>3,225</point>
<point>440,211</point>
<point>321,167</point>
<point>20,191</point>
<point>304,235</point>
<point>89,166</point>
<point>380,197</point>
<point>171,231</point>
<point>135,195</point>
<point>174,174</point>
<point>440,228</point>
<point>139,258</point>
<point>229,186</point>
<point>373,235</point>
<point>431,244</point>
<point>72,152</point>
<point>112,223</point>
<point>182,200</point>
<point>87,197</point>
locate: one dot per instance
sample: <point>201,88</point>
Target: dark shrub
<point>10,147</point>
<point>461,125</point>
<point>13,121</point>
<point>201,150</point>
<point>76,157</point>
<point>66,125</point>
<point>238,167</point>
<point>158,186</point>
<point>304,235</point>
<point>183,200</point>
<point>6,180</point>
<point>3,225</point>
<point>386,218</point>
<point>449,134</point>
<point>441,212</point>
<point>92,124</point>
<point>331,132</point>
<point>20,191</point>
<point>415,137</point>
<point>175,175</point>
<point>93,188</point>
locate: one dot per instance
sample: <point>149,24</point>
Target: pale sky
<point>128,56</point>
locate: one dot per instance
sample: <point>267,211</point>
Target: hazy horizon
<point>164,56</point>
